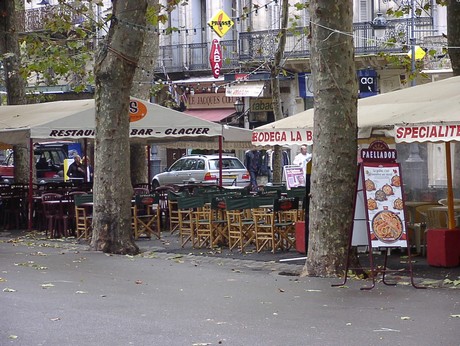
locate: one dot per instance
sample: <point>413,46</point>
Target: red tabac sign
<point>215,58</point>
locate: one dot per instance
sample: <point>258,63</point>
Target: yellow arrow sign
<point>221,23</point>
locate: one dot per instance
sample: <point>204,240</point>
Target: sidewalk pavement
<point>57,292</point>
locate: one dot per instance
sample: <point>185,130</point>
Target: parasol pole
<point>450,193</point>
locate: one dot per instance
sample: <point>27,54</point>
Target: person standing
<point>252,162</point>
<point>89,169</point>
<point>302,159</point>
<point>76,169</point>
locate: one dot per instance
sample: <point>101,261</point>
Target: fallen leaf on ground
<point>138,282</point>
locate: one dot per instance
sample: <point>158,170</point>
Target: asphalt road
<point>58,293</point>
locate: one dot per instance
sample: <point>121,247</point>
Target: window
<point>437,175</point>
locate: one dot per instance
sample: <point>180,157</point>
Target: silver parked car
<point>204,169</point>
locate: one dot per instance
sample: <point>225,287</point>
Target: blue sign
<point>305,85</point>
<point>367,80</point>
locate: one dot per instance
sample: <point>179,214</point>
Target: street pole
<point>412,43</point>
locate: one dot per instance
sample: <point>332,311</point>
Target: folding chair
<point>173,210</point>
<point>239,225</point>
<point>83,215</point>
<point>264,223</point>
<point>187,206</point>
<point>146,215</point>
<point>286,212</point>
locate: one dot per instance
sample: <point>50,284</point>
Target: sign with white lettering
<point>367,80</point>
<point>378,151</point>
<point>215,58</point>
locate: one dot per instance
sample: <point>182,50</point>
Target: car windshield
<point>230,163</point>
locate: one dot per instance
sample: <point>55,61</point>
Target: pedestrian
<point>76,169</point>
<point>302,158</point>
<point>252,162</point>
<point>89,169</point>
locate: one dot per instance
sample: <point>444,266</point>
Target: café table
<point>440,214</point>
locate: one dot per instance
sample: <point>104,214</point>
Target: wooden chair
<point>53,210</point>
<point>240,227</point>
<point>70,196</point>
<point>301,193</point>
<point>187,207</point>
<point>173,209</point>
<point>83,215</point>
<point>286,212</point>
<point>264,225</point>
<point>146,216</point>
<point>204,227</point>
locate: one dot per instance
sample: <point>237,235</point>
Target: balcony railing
<point>35,19</point>
<point>258,46</point>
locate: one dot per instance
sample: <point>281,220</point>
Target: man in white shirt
<point>302,158</point>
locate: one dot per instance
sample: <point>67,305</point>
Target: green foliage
<point>64,51</point>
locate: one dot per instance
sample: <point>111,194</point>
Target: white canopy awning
<point>428,112</point>
<point>70,120</point>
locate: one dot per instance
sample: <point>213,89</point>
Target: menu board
<point>294,175</point>
<point>383,199</point>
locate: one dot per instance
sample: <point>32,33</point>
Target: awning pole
<point>450,193</point>
<point>220,159</point>
<point>30,197</point>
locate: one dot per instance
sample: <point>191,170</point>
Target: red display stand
<point>300,234</point>
<point>443,247</point>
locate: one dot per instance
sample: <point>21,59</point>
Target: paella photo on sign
<point>387,226</point>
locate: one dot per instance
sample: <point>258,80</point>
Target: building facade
<point>187,47</point>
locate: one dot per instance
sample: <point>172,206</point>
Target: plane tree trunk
<point>334,136</point>
<point>114,70</point>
